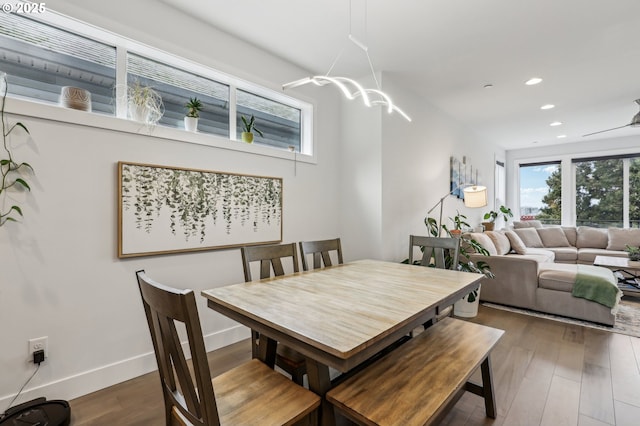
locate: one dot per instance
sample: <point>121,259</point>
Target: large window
<point>40,59</point>
<point>279,123</point>
<point>541,192</point>
<point>44,52</point>
<point>608,191</point>
<point>634,192</point>
<point>176,87</point>
<point>599,192</point>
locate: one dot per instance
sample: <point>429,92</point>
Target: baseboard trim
<point>90,381</point>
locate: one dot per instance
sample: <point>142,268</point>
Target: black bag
<point>38,412</point>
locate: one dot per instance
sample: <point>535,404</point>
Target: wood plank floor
<point>545,373</point>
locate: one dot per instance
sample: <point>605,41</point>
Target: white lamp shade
<point>475,196</point>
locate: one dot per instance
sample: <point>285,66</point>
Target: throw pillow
<point>589,237</point>
<point>484,241</point>
<point>516,242</point>
<point>553,237</point>
<point>520,225</point>
<point>527,224</point>
<point>571,233</point>
<point>500,241</point>
<point>530,237</point>
<point>619,238</point>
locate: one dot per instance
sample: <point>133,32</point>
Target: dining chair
<point>321,251</point>
<point>435,252</point>
<point>250,394</point>
<point>270,258</point>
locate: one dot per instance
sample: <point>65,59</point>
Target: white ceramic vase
<point>76,98</point>
<point>465,309</point>
<point>191,124</point>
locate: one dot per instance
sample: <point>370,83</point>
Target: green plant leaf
<point>23,183</point>
<point>22,126</point>
<point>17,209</point>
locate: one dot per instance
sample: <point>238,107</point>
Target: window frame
<point>568,176</point>
<point>124,46</point>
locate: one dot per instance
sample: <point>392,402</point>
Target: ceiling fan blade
<point>608,130</point>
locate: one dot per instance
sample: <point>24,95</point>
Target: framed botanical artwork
<point>163,209</point>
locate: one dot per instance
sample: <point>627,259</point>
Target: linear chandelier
<point>350,88</point>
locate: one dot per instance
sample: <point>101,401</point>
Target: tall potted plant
<point>248,126</point>
<point>468,305</point>
<point>194,106</point>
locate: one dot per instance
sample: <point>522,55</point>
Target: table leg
<point>320,383</point>
<point>267,350</point>
<point>487,388</point>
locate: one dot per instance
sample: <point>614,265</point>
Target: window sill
<point>82,118</point>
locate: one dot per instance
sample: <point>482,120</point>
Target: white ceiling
<point>586,51</point>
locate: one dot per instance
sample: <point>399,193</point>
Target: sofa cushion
<point>571,233</point>
<point>516,242</point>
<point>588,255</point>
<point>500,241</point>
<point>589,237</point>
<point>527,224</point>
<point>553,237</point>
<point>529,237</point>
<point>539,254</point>
<point>555,276</point>
<point>484,241</point>
<point>565,254</point>
<point>619,238</point>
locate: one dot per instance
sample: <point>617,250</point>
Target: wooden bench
<point>419,382</point>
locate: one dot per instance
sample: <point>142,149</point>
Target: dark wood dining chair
<point>270,258</point>
<point>435,252</point>
<point>321,251</point>
<point>251,393</point>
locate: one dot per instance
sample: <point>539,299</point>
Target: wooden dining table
<point>342,315</point>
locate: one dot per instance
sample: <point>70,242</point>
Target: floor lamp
<point>474,196</point>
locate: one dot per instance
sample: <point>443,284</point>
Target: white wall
<point>60,275</point>
<point>407,170</point>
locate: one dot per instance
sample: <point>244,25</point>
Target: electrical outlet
<point>40,343</point>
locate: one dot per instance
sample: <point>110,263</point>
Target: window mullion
<point>121,82</point>
<point>625,192</point>
<point>232,113</point>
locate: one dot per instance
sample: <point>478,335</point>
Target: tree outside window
<point>634,192</point>
<point>599,193</point>
<point>541,192</point>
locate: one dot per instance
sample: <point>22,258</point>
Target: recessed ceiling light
<point>547,106</point>
<point>532,81</point>
<point>556,123</point>
<point>562,136</point>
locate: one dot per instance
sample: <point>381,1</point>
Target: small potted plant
<point>634,253</point>
<point>493,215</point>
<point>248,127</point>
<point>144,104</point>
<point>194,106</point>
<point>459,220</point>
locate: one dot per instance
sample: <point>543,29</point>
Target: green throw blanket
<point>597,284</point>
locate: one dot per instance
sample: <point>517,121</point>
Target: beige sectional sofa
<point>535,267</point>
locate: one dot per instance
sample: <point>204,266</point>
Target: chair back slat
<point>270,257</point>
<point>190,393</point>
<point>436,249</point>
<point>320,252</point>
